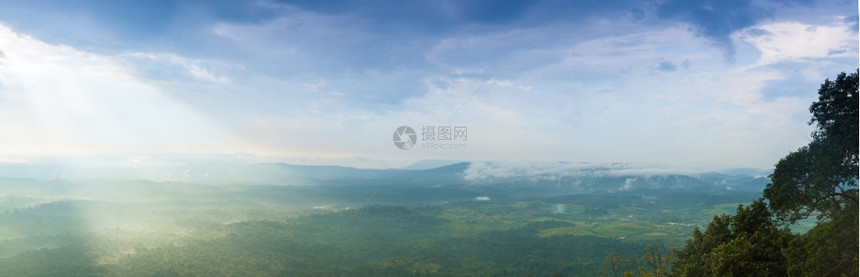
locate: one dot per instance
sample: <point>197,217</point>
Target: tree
<point>822,176</point>
<point>829,249</point>
<point>746,244</point>
<point>819,178</point>
<point>655,262</point>
<point>614,265</point>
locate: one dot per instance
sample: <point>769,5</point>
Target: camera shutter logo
<point>404,137</point>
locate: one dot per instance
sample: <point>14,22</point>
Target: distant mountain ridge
<point>578,177</point>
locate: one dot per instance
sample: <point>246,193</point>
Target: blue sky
<point>327,82</point>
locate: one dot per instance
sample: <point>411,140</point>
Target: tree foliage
<point>819,178</point>
<point>746,244</point>
<point>822,176</point>
<point>829,249</point>
<point>655,262</point>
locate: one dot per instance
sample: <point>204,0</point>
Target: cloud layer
<point>725,82</point>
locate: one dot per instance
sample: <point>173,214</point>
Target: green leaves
<point>822,176</point>
<point>835,112</point>
<point>748,243</point>
<point>829,249</point>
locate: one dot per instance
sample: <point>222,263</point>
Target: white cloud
<point>628,184</point>
<point>606,102</point>
<point>162,63</point>
<point>312,91</point>
<point>480,171</point>
<point>797,41</point>
<point>57,100</point>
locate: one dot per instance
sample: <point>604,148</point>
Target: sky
<point>328,82</point>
